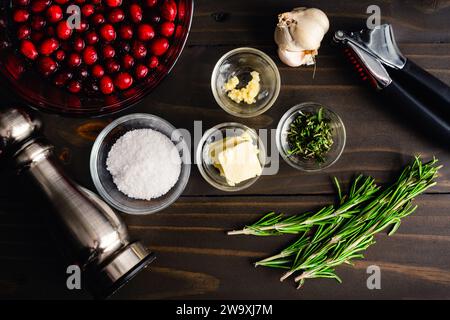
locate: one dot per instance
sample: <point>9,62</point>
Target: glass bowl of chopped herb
<point>245,82</point>
<point>310,137</point>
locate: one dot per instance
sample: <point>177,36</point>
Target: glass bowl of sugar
<point>140,164</point>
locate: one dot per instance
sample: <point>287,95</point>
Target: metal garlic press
<point>376,57</point>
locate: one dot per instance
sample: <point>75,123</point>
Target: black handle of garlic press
<point>417,111</point>
<point>427,87</point>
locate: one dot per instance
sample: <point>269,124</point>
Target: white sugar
<point>144,164</point>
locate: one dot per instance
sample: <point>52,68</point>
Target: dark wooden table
<point>196,259</point>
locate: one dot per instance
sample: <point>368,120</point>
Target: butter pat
<point>247,94</point>
<point>236,158</point>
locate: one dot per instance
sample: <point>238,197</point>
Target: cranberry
<point>28,49</point>
<point>145,32</point>
<point>98,71</point>
<point>123,80</point>
<point>48,46</point>
<point>47,66</point>
<point>61,79</point>
<point>74,86</point>
<point>159,46</point>
<point>141,71</point>
<point>88,10</point>
<point>78,44</point>
<point>107,32</point>
<point>61,1</point>
<point>127,61</point>
<point>153,62</point>
<point>113,3</point>
<point>23,32</point>
<point>91,37</point>
<point>167,28</point>
<point>139,50</point>
<point>60,55</point>
<point>135,13</point>
<point>83,26</point>
<point>112,66</point>
<point>74,60</point>
<point>116,15</point>
<point>108,51</point>
<point>38,23</point>
<point>80,1</point>
<point>150,3</point>
<point>63,31</point>
<point>98,19</point>
<point>54,13</point>
<point>126,32</point>
<point>39,5</point>
<point>168,10</point>
<point>90,55</point>
<point>20,15</point>
<point>106,85</point>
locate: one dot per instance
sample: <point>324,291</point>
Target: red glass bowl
<point>43,95</point>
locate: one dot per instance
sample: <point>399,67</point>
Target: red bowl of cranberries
<point>90,57</point>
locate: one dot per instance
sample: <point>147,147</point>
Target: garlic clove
<point>296,58</point>
<point>320,17</point>
<point>309,35</point>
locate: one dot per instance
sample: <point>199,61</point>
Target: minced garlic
<point>247,94</point>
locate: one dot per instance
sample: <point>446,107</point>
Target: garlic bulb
<point>298,35</point>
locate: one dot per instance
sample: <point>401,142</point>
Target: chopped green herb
<point>337,234</point>
<point>310,136</point>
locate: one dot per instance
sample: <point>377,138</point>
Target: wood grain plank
<point>254,21</point>
<point>196,259</point>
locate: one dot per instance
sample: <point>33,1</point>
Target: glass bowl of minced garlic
<point>231,156</point>
<point>245,82</point>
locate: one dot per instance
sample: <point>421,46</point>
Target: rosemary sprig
<point>345,253</point>
<point>310,136</point>
<point>362,189</point>
<point>343,242</point>
<point>337,235</point>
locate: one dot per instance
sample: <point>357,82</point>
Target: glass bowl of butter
<point>245,82</point>
<point>231,156</point>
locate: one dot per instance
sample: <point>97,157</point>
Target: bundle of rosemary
<point>337,234</point>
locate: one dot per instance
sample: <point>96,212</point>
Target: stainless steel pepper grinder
<point>96,234</point>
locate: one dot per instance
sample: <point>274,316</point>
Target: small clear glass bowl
<point>240,62</point>
<point>103,180</point>
<point>339,137</point>
<point>210,173</point>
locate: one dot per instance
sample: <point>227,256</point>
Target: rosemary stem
<point>286,275</point>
